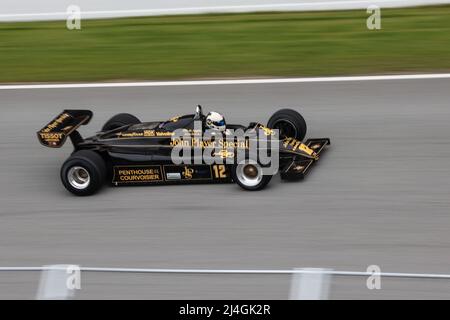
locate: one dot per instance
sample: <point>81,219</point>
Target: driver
<point>216,121</point>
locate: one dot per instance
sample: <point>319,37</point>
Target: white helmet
<point>215,120</point>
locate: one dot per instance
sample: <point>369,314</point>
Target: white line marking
<point>306,6</point>
<point>238,271</point>
<point>222,82</point>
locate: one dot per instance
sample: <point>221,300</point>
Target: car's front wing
<point>298,166</point>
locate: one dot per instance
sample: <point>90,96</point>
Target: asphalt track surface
<point>380,195</point>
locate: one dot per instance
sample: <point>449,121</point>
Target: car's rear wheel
<point>120,120</point>
<point>289,122</point>
<point>83,173</point>
<point>249,175</point>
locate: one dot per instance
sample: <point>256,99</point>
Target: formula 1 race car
<point>130,152</point>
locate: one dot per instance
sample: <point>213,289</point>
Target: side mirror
<point>198,112</point>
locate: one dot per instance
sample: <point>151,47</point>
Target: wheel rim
<point>249,173</point>
<point>285,128</point>
<point>78,178</point>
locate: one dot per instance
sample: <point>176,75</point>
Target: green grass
<point>223,46</point>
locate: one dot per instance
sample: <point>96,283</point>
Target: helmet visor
<point>219,123</point>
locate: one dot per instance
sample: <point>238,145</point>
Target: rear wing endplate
<point>54,134</point>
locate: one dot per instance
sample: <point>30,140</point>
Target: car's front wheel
<point>120,120</point>
<point>249,175</point>
<point>289,122</point>
<point>83,173</point>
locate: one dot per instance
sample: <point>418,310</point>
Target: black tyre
<point>289,122</point>
<point>249,175</point>
<point>120,120</point>
<point>83,173</point>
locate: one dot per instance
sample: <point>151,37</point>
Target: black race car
<point>130,152</point>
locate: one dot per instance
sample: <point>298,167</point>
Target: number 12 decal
<point>219,171</point>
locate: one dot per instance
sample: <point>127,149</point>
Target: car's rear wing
<point>54,134</point>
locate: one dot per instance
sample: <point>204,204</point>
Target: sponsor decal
<point>137,174</point>
<point>219,143</point>
<point>149,133</point>
<point>294,144</point>
<point>164,133</point>
<point>267,131</point>
<point>130,134</point>
<point>55,123</point>
<point>49,137</point>
<point>224,153</point>
<point>188,172</point>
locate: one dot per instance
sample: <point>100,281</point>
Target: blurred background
<point>379,195</point>
<point>263,44</point>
